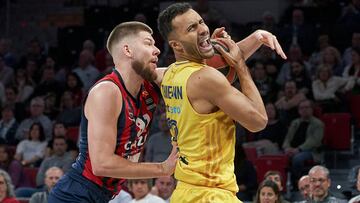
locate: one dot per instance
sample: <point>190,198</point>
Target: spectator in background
<point>303,141</point>
<point>269,23</point>
<point>52,175</point>
<point>327,89</point>
<point>6,188</point>
<point>25,87</point>
<point>352,71</point>
<point>60,130</point>
<point>287,104</point>
<point>159,145</point>
<point>316,56</point>
<point>89,45</point>
<point>60,158</point>
<point>304,188</point>
<point>295,55</point>
<point>51,109</point>
<point>34,54</point>
<point>69,114</point>
<point>8,126</point>
<point>6,72</point>
<point>299,33</point>
<point>37,106</point>
<point>48,84</point>
<point>11,101</point>
<point>164,187</point>
<point>301,76</point>
<point>245,173</point>
<point>141,190</point>
<point>276,177</point>
<point>32,71</point>
<point>86,71</point>
<point>269,140</point>
<point>266,86</point>
<point>350,16</point>
<point>330,56</point>
<point>32,151</point>
<point>319,184</point>
<point>75,86</point>
<point>5,51</point>
<point>268,192</point>
<point>357,198</point>
<point>10,165</point>
<point>355,42</point>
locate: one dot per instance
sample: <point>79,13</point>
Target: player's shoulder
<point>105,89</point>
<point>208,75</point>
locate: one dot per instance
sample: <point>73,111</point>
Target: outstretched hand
<point>270,40</point>
<point>169,164</point>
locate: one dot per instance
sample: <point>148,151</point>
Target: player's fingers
<point>228,42</point>
<point>279,50</point>
<point>217,32</point>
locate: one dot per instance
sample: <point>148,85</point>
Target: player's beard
<point>143,71</point>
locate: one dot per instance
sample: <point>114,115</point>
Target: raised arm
<point>254,41</point>
<point>210,86</point>
<point>102,109</point>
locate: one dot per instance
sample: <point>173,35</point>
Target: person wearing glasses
<point>319,186</point>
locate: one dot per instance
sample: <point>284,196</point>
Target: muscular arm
<point>254,41</point>
<point>208,88</point>
<point>102,110</point>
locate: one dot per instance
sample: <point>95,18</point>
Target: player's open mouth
<point>205,45</point>
<point>154,61</point>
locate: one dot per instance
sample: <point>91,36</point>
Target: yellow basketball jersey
<point>206,141</point>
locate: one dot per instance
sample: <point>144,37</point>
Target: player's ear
<point>127,50</point>
<point>175,45</point>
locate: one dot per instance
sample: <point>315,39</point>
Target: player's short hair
<point>123,30</point>
<point>166,16</point>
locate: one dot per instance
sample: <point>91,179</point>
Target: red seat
<point>338,132</point>
<point>251,154</point>
<point>73,134</point>
<point>267,163</point>
<point>23,200</point>
<point>337,135</point>
<point>30,174</point>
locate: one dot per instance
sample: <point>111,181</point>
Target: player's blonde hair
<point>123,30</point>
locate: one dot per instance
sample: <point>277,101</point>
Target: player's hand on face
<point>234,56</point>
<point>270,40</point>
<point>170,163</point>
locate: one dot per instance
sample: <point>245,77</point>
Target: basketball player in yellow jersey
<point>201,108</point>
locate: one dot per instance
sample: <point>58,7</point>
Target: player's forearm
<point>249,89</point>
<point>119,167</point>
<point>249,45</point>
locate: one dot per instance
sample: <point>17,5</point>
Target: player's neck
<point>183,57</point>
<point>132,80</point>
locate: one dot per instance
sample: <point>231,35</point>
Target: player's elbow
<point>259,123</point>
<point>100,167</point>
